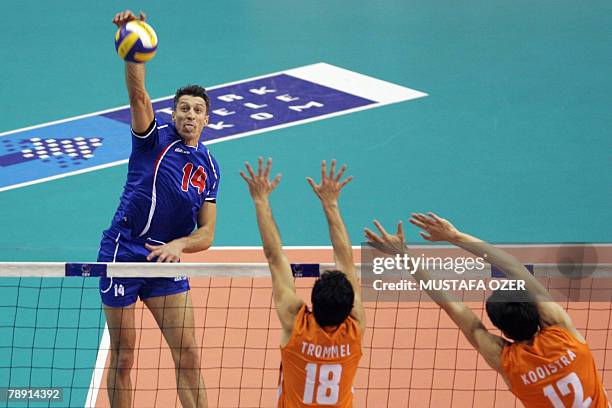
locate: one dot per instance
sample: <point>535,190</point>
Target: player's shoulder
<point>209,158</point>
<point>202,148</point>
<point>547,340</point>
<point>302,314</point>
<point>205,150</point>
<point>299,326</point>
<point>165,127</point>
<point>561,333</point>
<point>354,325</point>
<point>159,128</point>
<point>553,330</point>
<point>303,319</point>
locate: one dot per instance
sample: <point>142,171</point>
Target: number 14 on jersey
<point>197,179</point>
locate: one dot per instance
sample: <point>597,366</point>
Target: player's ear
<point>173,116</point>
<point>206,121</point>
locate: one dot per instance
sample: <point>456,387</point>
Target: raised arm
<point>329,192</point>
<point>440,229</point>
<point>487,344</point>
<point>286,300</point>
<point>140,103</point>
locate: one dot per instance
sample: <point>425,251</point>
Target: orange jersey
<point>319,366</point>
<point>556,371</point>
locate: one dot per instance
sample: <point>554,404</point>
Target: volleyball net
<point>54,344</point>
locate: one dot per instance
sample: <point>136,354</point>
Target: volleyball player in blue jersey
<point>168,206</point>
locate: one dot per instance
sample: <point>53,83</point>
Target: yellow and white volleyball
<point>136,41</point>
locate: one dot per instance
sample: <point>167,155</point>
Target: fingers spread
<point>427,220</point>
<point>268,167</point>
<point>341,172</point>
<point>425,236</point>
<point>323,170</point>
<point>249,169</point>
<point>372,236</point>
<point>380,228</point>
<point>435,217</point>
<point>244,176</point>
<point>419,216</point>
<point>422,218</point>
<point>418,223</point>
<point>400,229</point>
<point>345,182</point>
<point>276,180</point>
<point>312,183</point>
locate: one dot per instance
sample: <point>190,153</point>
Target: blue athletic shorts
<point>121,292</point>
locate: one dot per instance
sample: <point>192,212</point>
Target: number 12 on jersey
<point>328,386</point>
<point>564,386</point>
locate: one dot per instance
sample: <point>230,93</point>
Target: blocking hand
<point>259,184</point>
<point>329,189</point>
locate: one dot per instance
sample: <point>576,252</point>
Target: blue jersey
<point>167,184</point>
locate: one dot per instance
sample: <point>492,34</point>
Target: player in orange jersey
<point>320,349</point>
<point>547,363</point>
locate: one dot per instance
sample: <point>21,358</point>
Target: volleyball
<point>136,41</point>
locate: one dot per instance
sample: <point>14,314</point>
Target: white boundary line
<point>98,372</point>
<point>59,176</point>
<point>372,85</point>
<point>354,83</point>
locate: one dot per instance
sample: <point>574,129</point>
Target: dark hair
<point>332,298</point>
<point>193,90</point>
<point>518,320</point>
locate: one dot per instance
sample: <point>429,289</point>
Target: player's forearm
<point>140,102</point>
<point>507,263</point>
<point>511,266</point>
<point>282,278</point>
<point>270,237</point>
<point>338,234</point>
<point>422,276</point>
<point>135,80</point>
<point>442,298</point>
<point>456,310</point>
<point>200,240</point>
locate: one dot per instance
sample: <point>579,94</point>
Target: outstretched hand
<point>435,228</point>
<point>259,184</point>
<point>127,16</point>
<point>329,189</point>
<point>385,242</point>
